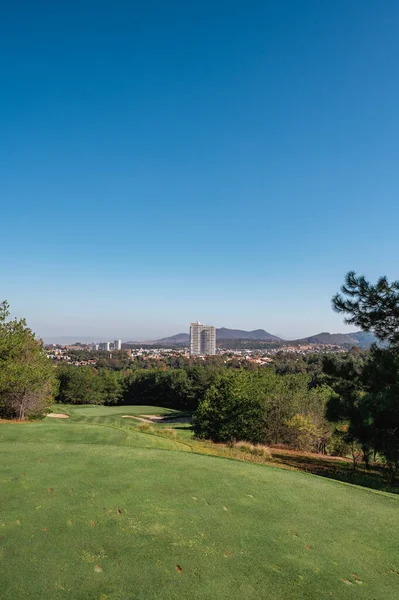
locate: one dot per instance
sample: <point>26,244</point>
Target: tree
<point>346,375</point>
<point>301,432</point>
<point>109,386</point>
<point>171,388</point>
<point>369,394</point>
<point>27,377</point>
<point>370,307</point>
<point>233,409</point>
<point>79,385</point>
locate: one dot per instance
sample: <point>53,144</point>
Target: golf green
<point>94,512</point>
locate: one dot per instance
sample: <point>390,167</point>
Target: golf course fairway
<point>96,512</point>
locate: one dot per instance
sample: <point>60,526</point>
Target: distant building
<point>95,347</point>
<point>104,346</point>
<point>117,344</point>
<point>195,338</point>
<point>208,339</point>
<point>202,339</point>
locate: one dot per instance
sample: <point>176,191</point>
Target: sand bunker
<point>58,415</point>
<point>137,418</point>
<point>154,418</point>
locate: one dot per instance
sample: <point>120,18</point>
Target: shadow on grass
<point>339,469</point>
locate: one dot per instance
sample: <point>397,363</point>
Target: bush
<point>301,432</point>
<point>255,450</point>
<point>168,432</point>
<point>145,428</point>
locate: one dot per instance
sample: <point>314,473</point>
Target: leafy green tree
<point>233,409</point>
<point>109,386</point>
<point>27,377</point>
<point>301,432</point>
<point>171,388</point>
<point>79,385</point>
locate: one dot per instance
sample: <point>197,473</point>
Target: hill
<point>110,512</point>
<point>178,339</point>
<point>359,338</point>
<point>222,334</point>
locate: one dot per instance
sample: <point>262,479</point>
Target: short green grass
<point>92,509</point>
<point>94,410</point>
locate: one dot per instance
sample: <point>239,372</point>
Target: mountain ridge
<point>358,338</point>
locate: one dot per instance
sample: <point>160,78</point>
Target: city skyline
<point>98,340</point>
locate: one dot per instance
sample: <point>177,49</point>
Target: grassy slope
<point>237,530</point>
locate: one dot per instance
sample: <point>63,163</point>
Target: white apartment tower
<point>195,338</point>
<point>208,339</point>
<point>202,339</point>
<point>117,344</point>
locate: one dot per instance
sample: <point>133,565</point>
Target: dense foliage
<point>27,378</point>
<point>368,388</point>
<point>232,401</point>
<point>264,407</point>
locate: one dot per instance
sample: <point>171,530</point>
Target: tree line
<point>337,404</point>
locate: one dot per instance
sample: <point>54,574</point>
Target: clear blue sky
<point>162,162</point>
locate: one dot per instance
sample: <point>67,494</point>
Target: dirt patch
<point>58,415</point>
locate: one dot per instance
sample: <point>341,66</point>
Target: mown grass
<point>376,477</point>
<point>96,512</point>
<point>90,410</point>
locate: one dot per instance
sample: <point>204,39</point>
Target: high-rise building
<point>208,339</point>
<point>95,347</point>
<point>104,346</point>
<point>202,339</point>
<point>195,338</point>
<point>117,344</point>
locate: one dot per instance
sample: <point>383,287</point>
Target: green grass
<point>94,410</point>
<point>92,509</point>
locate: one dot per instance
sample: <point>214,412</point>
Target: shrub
<point>301,432</point>
<point>167,432</point>
<point>145,428</point>
<point>254,449</point>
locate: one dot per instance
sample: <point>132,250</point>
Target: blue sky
<point>162,162</point>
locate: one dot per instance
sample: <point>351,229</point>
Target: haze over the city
<point>167,162</point>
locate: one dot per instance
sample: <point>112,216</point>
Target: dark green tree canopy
<point>370,307</point>
<point>368,390</point>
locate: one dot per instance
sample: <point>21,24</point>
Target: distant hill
<point>238,334</point>
<point>69,340</point>
<point>183,339</point>
<point>179,339</point>
<point>358,338</point>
